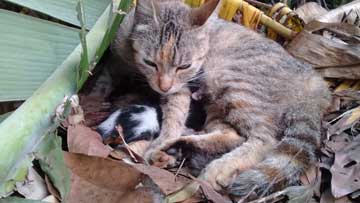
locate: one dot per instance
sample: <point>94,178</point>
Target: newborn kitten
<point>138,122</point>
<point>263,106</point>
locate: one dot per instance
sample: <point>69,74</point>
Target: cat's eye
<point>183,67</point>
<point>150,63</point>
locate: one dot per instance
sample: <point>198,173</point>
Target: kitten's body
<point>263,106</point>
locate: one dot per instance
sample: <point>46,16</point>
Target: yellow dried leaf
<point>355,115</point>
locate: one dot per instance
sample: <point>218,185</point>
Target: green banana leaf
<point>31,49</point>
<point>21,133</point>
<point>65,9</point>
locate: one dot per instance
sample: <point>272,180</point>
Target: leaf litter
<point>100,173</point>
<point>121,175</point>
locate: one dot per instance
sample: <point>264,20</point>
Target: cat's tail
<point>293,155</point>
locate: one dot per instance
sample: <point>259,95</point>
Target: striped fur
<point>252,88</point>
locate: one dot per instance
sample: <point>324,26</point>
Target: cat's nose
<point>165,83</point>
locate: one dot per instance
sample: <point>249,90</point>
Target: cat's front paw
<point>219,174</point>
<point>157,156</point>
<point>161,159</point>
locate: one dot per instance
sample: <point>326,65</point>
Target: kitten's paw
<point>219,174</point>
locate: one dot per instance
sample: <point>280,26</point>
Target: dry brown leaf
<point>210,193</point>
<point>162,178</point>
<point>346,170</point>
<point>142,195</point>
<point>51,188</point>
<point>139,147</point>
<point>102,172</point>
<point>82,139</point>
<point>338,142</point>
<point>85,192</point>
<point>343,72</point>
<point>184,193</point>
<point>193,199</point>
<point>346,121</point>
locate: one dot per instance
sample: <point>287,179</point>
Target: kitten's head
<point>170,42</point>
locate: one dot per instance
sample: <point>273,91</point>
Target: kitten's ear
<point>200,15</point>
<point>145,10</point>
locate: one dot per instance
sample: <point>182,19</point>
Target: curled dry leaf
<point>346,121</point>
<point>346,170</point>
<point>82,139</point>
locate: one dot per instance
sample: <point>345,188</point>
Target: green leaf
<point>30,51</point>
<point>84,63</point>
<point>19,200</point>
<point>65,9</point>
<point>21,132</point>
<point>4,116</point>
<point>51,160</point>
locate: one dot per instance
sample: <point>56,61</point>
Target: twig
<point>178,170</point>
<point>275,196</point>
<point>119,129</point>
<point>258,3</point>
<point>247,195</point>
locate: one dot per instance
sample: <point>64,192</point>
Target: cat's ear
<point>200,15</point>
<point>145,10</point>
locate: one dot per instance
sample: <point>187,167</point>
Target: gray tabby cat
<point>263,106</point>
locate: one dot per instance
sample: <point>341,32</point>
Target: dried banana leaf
<point>322,52</point>
<point>349,13</point>
<point>310,11</point>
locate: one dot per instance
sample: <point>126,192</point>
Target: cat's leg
<point>291,157</point>
<point>221,172</point>
<point>175,109</point>
<point>199,150</point>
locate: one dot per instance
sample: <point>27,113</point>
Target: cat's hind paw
<point>219,174</point>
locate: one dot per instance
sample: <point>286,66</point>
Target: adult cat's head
<point>170,42</point>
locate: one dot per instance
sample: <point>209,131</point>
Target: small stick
<point>258,3</point>
<point>178,170</point>
<point>247,195</point>
<point>275,196</point>
<point>120,130</point>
